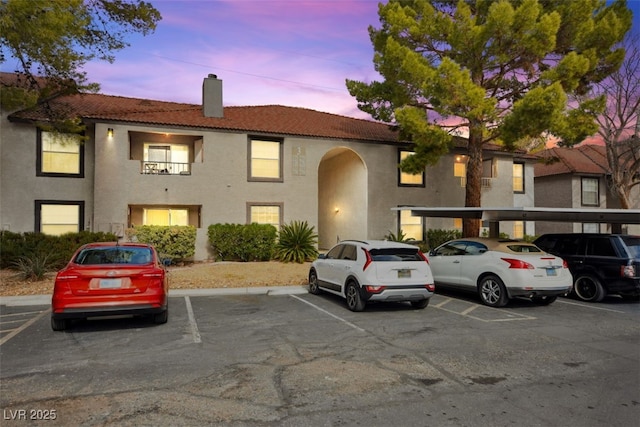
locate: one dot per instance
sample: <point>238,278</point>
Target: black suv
<point>601,264</point>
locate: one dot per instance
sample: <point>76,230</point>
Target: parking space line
<point>328,313</point>
<point>446,301</point>
<point>20,314</point>
<point>469,310</point>
<point>590,306</point>
<point>192,321</point>
<point>23,327</point>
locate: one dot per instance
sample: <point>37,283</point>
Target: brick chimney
<point>212,96</point>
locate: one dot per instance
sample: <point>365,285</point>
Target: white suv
<point>373,270</point>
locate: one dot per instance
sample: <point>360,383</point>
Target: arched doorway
<point>342,197</point>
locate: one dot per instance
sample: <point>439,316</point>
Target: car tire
<point>354,300</point>
<point>161,318</point>
<point>59,324</point>
<point>544,300</point>
<point>588,288</point>
<point>314,288</point>
<point>492,291</point>
<point>423,303</point>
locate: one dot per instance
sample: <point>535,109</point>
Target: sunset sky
<point>287,52</point>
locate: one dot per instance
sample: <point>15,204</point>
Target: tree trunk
<point>471,226</point>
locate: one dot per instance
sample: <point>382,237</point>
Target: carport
<point>493,216</point>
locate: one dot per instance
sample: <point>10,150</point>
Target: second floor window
<point>590,193</point>
<point>265,160</point>
<point>518,177</point>
<point>408,178</point>
<point>59,154</point>
<point>166,159</point>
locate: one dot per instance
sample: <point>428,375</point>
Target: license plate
<point>110,283</point>
<point>551,272</point>
<point>404,274</point>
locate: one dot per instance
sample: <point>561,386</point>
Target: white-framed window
<point>59,217</point>
<point>409,178</point>
<point>265,214</point>
<point>265,160</point>
<point>411,226</point>
<point>165,216</point>
<point>518,177</point>
<point>59,154</point>
<point>590,191</point>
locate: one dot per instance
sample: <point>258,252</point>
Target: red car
<point>107,279</point>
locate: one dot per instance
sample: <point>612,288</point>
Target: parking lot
<point>295,359</point>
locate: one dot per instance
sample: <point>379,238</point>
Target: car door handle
<point>456,262</point>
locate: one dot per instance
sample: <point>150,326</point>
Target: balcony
<point>164,168</point>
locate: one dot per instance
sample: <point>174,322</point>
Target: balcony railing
<point>165,168</point>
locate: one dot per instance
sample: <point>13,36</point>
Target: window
<point>59,155</point>
<point>265,160</point>
<point>56,217</point>
<point>518,177</point>
<point>265,214</point>
<point>518,229</point>
<point>166,159</point>
<point>590,193</point>
<point>409,179</point>
<point>411,226</point>
<point>460,169</point>
<point>590,227</point>
<point>163,216</point>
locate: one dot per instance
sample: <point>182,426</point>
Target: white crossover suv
<point>373,270</point>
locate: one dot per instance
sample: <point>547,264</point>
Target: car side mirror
<point>322,256</point>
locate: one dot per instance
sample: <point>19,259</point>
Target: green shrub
<point>297,243</point>
<point>174,242</point>
<point>242,242</point>
<point>57,250</point>
<point>401,237</point>
<point>436,237</point>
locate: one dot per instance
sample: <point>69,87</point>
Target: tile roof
<point>274,119</point>
<point>270,119</point>
<point>584,159</point>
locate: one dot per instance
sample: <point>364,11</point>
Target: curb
<point>14,301</point>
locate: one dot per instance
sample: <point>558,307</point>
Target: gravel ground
<point>195,276</point>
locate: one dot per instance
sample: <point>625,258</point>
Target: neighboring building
<point>577,178</point>
<point>161,163</point>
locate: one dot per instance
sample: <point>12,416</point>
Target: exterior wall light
<point>110,132</point>
<point>336,210</point>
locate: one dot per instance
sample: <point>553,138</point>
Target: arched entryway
<point>342,197</point>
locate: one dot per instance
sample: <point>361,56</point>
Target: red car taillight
<point>516,263</point>
<point>423,256</point>
<point>374,289</point>
<point>431,287</point>
<point>368,260</point>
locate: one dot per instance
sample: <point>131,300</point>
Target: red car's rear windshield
<point>113,255</point>
<point>395,254</point>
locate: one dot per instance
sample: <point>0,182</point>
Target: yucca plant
<point>400,237</point>
<point>297,243</point>
<point>33,267</point>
